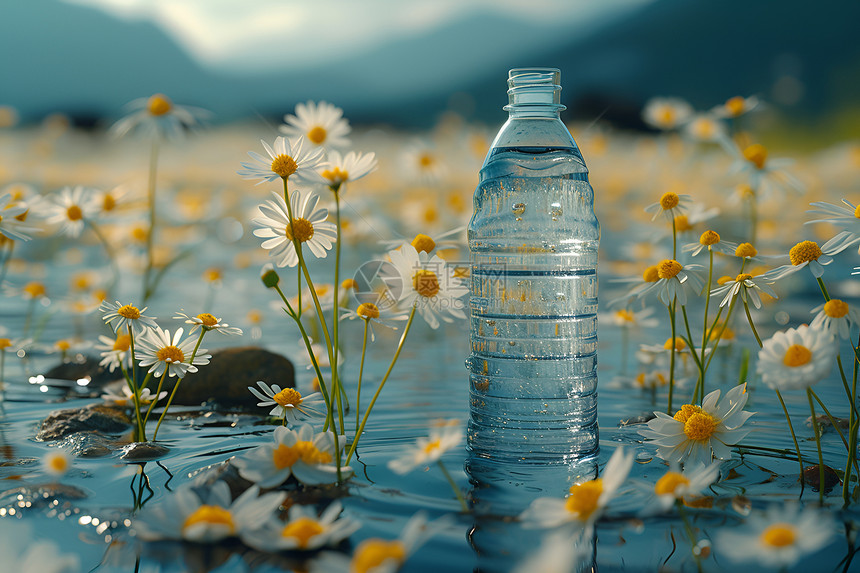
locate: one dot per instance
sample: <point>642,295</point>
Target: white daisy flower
<point>72,209</point>
<point>585,502</point>
<point>452,239</point>
<point>803,254</point>
<point>375,555</point>
<point>308,226</point>
<point>33,290</point>
<point>641,285</point>
<point>697,434</point>
<point>110,201</point>
<point>115,351</point>
<point>427,449</point>
<point>779,538</point>
<point>157,350</point>
<point>23,551</point>
<point>158,117</point>
<point>796,358</point>
<point>303,530</point>
<point>673,280</point>
<point>126,397</point>
<point>559,552</point>
<point>765,176</point>
<point>371,314</point>
<point>697,213</point>
<point>705,127</point>
<point>669,206</point>
<point>711,241</point>
<point>205,517</point>
<point>295,452</point>
<point>666,113</point>
<point>745,285</point>
<point>207,322</point>
<point>286,158</point>
<point>844,217</point>
<point>56,462</point>
<point>322,124</point>
<point>736,107</point>
<point>428,285</point>
<point>659,356</point>
<point>422,162</point>
<point>677,485</point>
<point>626,318</point>
<point>836,317</point>
<point>10,225</point>
<point>340,169</point>
<point>289,403</point>
<point>121,317</point>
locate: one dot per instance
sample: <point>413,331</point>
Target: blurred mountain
<point>81,61</point>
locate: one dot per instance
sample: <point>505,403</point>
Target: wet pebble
<point>143,451</point>
<point>92,418</point>
<point>812,477</point>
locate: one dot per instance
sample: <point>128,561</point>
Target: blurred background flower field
<point>744,112</point>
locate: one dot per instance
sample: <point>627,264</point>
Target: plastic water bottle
<point>533,249</point>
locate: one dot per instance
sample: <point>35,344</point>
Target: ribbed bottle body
<point>533,243</point>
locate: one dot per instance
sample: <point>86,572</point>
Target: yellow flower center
<point>742,277</point>
<point>170,354</point>
<point>63,345</point>
<point>74,213</point>
<point>122,342</point>
<point>666,115</point>
<point>797,355</point>
<point>700,426</point>
<point>207,319</point>
<point>349,284</point>
<point>34,289</point>
<point>302,530</point>
<point>709,238</point>
<point>335,175</point>
<point>159,104</point>
<point>583,497</point>
<point>367,310</point>
<point>432,446</point>
<point>651,274</point>
<point>668,269</point>
<point>284,166</point>
<point>669,483</point>
<point>129,311</point>
<point>679,344</point>
<point>857,212</point>
<point>317,134</point>
<point>835,308</point>
<point>212,275</point>
<point>5,343</point>
<point>682,224</point>
<point>745,250</point>
<point>735,106</point>
<point>210,515</point>
<point>803,252</point>
<point>288,397</point>
<point>108,203</point>
<point>58,463</point>
<point>424,243</point>
<point>779,535</point>
<point>285,456</point>
<point>669,200</point>
<point>756,154</point>
<point>301,229</point>
<point>425,283</point>
<point>625,315</point>
<point>426,160</point>
<point>371,553</point>
<point>139,234</point>
<point>745,191</point>
<point>704,128</point>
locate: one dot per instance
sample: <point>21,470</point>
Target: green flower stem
<point>135,392</point>
<point>816,431</point>
<point>456,489</point>
<point>110,254</point>
<point>2,368</point>
<point>5,266</point>
<point>674,240</point>
<point>719,337</point>
<point>336,318</point>
<point>832,422</point>
<point>752,326</point>
<point>793,438</point>
<point>823,289</point>
<point>852,428</point>
<point>705,332</point>
<point>753,216</point>
<point>292,314</point>
<point>848,391</point>
<point>381,385</point>
<point>176,387</point>
<point>155,399</point>
<point>690,533</point>
<point>693,351</point>
<point>672,355</point>
<point>150,237</point>
<point>360,374</point>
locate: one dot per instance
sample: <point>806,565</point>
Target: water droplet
<point>519,208</point>
<point>781,318</point>
<point>643,457</point>
<point>556,211</point>
<point>702,548</point>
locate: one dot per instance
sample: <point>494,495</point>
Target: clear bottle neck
<point>534,96</point>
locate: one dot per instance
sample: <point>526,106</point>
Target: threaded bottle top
<point>534,88</point>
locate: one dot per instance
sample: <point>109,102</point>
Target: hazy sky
<point>291,34</point>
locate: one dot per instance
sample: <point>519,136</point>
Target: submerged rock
<point>812,477</point>
<point>88,444</point>
<point>226,378</point>
<point>143,451</point>
<point>87,368</point>
<point>92,418</point>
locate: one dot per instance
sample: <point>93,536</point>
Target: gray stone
<point>88,444</point>
<point>143,451</point>
<point>92,418</point>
